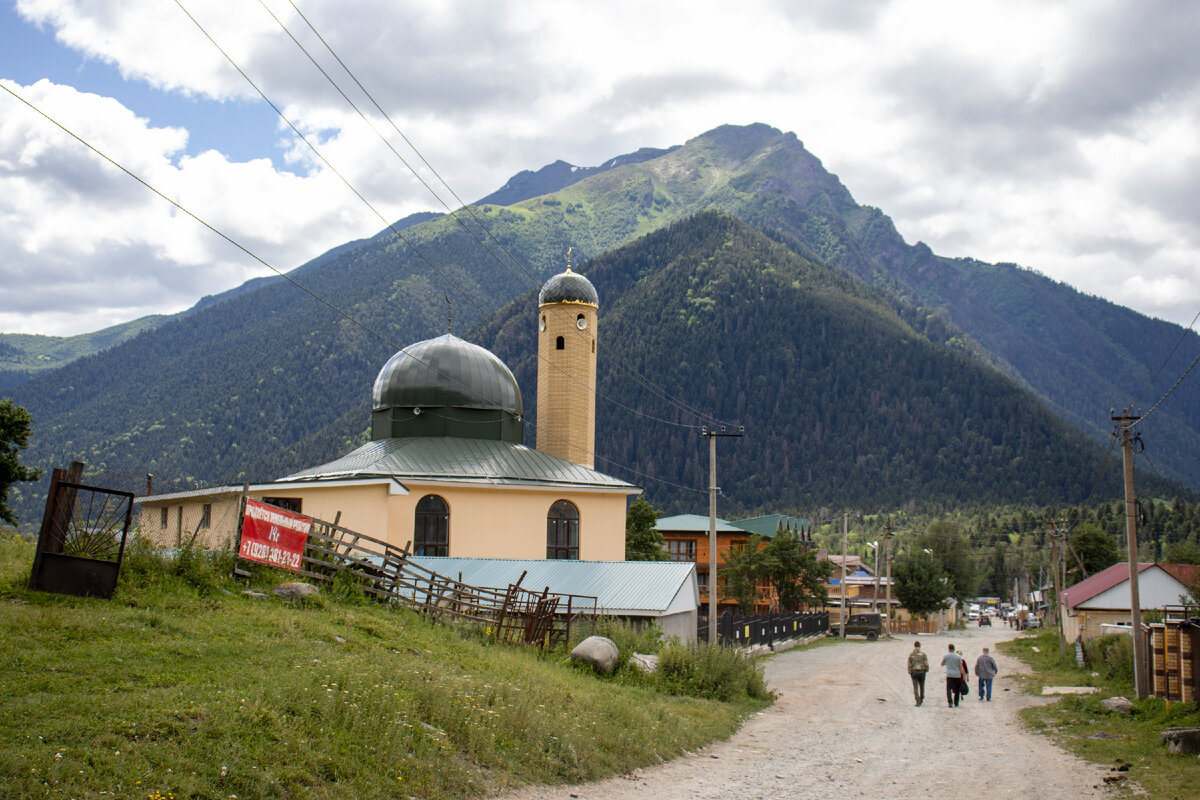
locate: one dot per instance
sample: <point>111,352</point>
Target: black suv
<point>869,624</point>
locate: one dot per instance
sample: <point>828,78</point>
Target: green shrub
<point>709,671</point>
<point>1112,656</point>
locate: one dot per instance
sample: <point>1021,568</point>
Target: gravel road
<point>845,726</point>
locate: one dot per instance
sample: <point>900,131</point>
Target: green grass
<point>181,686</point>
<point>1072,719</point>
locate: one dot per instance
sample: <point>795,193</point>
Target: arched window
<point>432,534</point>
<point>562,530</point>
<point>560,343</point>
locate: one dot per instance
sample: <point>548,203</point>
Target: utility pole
<point>712,523</point>
<point>875,594</point>
<point>845,539</point>
<point>1141,674</point>
<point>1058,557</point>
<point>887,556</point>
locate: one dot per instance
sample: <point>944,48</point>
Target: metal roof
<point>449,458</point>
<point>1101,582</point>
<point>768,525</point>
<point>639,588</point>
<point>692,523</point>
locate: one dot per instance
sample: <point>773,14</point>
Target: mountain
<point>23,355</point>
<point>263,379</point>
<point>839,396</point>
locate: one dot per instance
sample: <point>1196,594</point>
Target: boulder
<point>295,590</point>
<point>598,651</point>
<point>1117,705</point>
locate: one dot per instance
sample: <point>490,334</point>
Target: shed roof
<point>769,524</point>
<point>637,588</point>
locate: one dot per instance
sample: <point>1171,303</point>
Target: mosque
<point>446,469</point>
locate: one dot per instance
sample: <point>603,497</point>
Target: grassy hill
<point>181,686</point>
<point>23,355</point>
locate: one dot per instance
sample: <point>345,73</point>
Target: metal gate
<point>82,538</point>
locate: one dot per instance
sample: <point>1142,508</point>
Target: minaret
<point>566,386</point>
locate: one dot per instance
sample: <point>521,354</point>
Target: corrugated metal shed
<point>448,458</point>
<point>693,523</point>
<point>633,588</point>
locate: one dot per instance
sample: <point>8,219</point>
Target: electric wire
<point>452,284</point>
<point>381,337</point>
<point>1182,338</point>
<point>654,388</point>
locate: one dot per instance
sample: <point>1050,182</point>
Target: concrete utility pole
<point>1141,672</point>
<point>845,539</point>
<point>887,556</point>
<point>712,523</point>
<point>1057,557</point>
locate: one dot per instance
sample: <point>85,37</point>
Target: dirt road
<point>845,726</point>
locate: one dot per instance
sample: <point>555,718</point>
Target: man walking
<point>918,665</point>
<point>985,670</point>
<point>953,663</point>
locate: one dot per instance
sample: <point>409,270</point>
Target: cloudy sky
<point>1061,136</point>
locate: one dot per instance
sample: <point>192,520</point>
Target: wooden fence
<point>385,572</point>
<point>1175,657</point>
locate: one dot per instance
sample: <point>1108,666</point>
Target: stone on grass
<point>598,651</point>
<point>295,590</point>
<point>1117,705</point>
<point>646,663</point>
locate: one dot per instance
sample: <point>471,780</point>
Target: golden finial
<point>569,249</point>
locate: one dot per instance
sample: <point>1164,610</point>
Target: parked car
<point>1032,622</point>
<point>868,624</point>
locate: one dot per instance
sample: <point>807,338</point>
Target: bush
<point>710,671</point>
<point>1112,656</point>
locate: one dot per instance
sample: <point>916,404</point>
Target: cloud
<point>1056,136</point>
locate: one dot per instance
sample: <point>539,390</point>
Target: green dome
<point>446,387</point>
<point>568,287</point>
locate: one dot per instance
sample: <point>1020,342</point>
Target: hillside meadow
<point>182,687</point>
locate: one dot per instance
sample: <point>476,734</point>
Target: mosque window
<point>432,534</point>
<point>562,530</point>
<point>286,503</point>
<point>560,343</point>
<point>163,517</point>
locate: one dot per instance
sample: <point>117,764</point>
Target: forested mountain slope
<point>839,396</point>
<point>257,381</point>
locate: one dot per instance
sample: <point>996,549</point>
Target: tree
<point>921,585</point>
<point>1182,553</point>
<point>744,571</point>
<point>643,542</point>
<point>952,551</point>
<point>1095,548</point>
<point>794,572</point>
<point>15,424</point>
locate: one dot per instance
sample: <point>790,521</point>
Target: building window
<point>562,530</point>
<point>164,518</point>
<point>206,516</point>
<point>560,343</point>
<point>286,503</point>
<point>682,549</point>
<point>432,534</point>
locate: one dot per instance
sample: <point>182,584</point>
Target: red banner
<point>273,536</point>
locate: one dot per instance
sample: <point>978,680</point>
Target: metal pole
<point>1140,662</point>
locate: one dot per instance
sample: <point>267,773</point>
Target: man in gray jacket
<point>985,670</point>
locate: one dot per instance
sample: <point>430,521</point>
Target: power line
<point>660,392</point>
<point>285,276</point>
